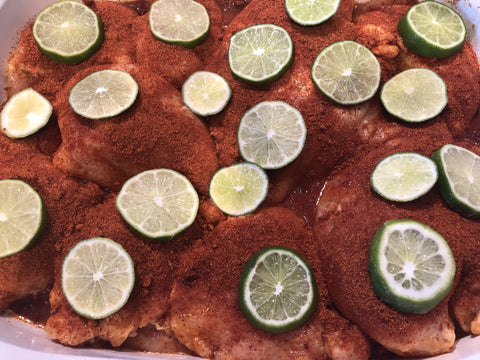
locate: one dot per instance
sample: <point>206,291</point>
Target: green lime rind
<point>418,33</point>
<point>393,283</point>
<point>305,299</point>
<point>311,13</point>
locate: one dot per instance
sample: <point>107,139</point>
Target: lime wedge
<point>206,93</point>
<point>239,189</point>
<point>277,290</point>
<point>411,266</point>
<point>103,94</point>
<point>68,31</point>
<point>346,72</point>
<point>271,134</point>
<point>25,113</point>
<point>22,216</point>
<point>158,203</point>
<point>311,12</point>
<point>415,95</point>
<point>260,53</point>
<point>404,176</point>
<point>180,22</point>
<point>97,277</point>
<point>459,178</point>
<point>432,29</point>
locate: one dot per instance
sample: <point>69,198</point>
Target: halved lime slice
<point>239,189</point>
<point>260,53</point>
<point>25,113</point>
<point>311,12</point>
<point>97,277</point>
<point>432,29</point>
<point>346,72</point>
<point>277,290</point>
<point>68,31</point>
<point>206,93</point>
<point>459,178</point>
<point>404,176</point>
<point>271,134</point>
<point>415,95</point>
<point>180,22</point>
<point>411,266</point>
<point>22,216</point>
<point>158,203</point>
<point>103,94</point>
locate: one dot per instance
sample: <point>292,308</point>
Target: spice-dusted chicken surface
<point>321,205</point>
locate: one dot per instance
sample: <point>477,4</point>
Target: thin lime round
<point>97,277</point>
<point>432,29</point>
<point>404,176</point>
<point>271,134</point>
<point>179,22</point>
<point>103,94</point>
<point>239,189</point>
<point>206,93</point>
<point>68,31</point>
<point>22,216</point>
<point>411,266</point>
<point>277,290</point>
<point>415,95</point>
<point>311,12</point>
<point>347,72</point>
<point>459,178</point>
<point>25,113</point>
<point>260,53</point>
<point>158,204</point>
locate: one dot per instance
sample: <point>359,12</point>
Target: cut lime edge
<point>317,21</point>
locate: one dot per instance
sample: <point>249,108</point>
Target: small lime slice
<point>277,290</point>
<point>404,176</point>
<point>432,29</point>
<point>411,266</point>
<point>271,134</point>
<point>97,277</point>
<point>158,203</point>
<point>260,53</point>
<point>22,216</point>
<point>311,12</point>
<point>346,72</point>
<point>415,95</point>
<point>459,178</point>
<point>180,22</point>
<point>68,31</point>
<point>25,113</point>
<point>206,93</point>
<point>239,189</point>
<point>103,94</point>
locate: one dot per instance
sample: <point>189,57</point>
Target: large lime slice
<point>311,12</point>
<point>277,290</point>
<point>97,277</point>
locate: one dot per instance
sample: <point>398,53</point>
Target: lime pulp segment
<point>311,12</point>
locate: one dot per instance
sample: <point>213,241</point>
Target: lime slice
<point>277,290</point>
<point>260,53</point>
<point>68,31</point>
<point>432,29</point>
<point>415,95</point>
<point>411,266</point>
<point>459,178</point>
<point>158,203</point>
<point>404,176</point>
<point>346,72</point>
<point>25,113</point>
<point>180,22</point>
<point>97,277</point>
<point>103,94</point>
<point>311,12</point>
<point>206,93</point>
<point>271,134</point>
<point>22,216</point>
<point>239,189</point>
